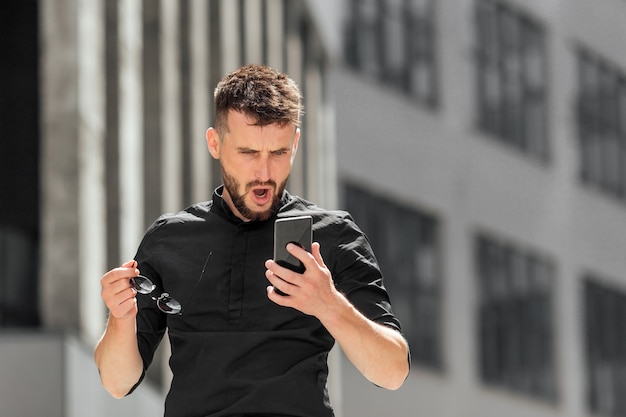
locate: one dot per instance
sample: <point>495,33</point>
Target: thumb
<point>317,254</point>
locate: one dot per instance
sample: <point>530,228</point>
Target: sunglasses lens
<point>142,284</point>
<point>168,305</point>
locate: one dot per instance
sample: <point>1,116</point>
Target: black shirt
<point>235,352</point>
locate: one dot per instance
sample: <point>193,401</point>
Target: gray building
<point>481,145</point>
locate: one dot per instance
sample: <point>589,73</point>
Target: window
<point>393,41</point>
<point>601,111</point>
<point>405,242</point>
<point>515,322</point>
<point>605,330</point>
<point>511,77</point>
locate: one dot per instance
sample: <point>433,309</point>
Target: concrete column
<point>91,172</point>
<point>171,113</point>
<point>294,70</point>
<point>131,159</point>
<point>275,34</point>
<point>253,41</point>
<point>315,164</point>
<point>230,34</point>
<point>201,99</point>
<point>60,244</point>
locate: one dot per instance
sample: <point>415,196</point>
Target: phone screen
<point>297,230</point>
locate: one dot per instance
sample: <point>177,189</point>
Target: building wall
<point>52,374</point>
<point>436,161</point>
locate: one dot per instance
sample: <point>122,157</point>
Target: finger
<point>277,270</point>
<point>316,251</point>
<point>123,296</point>
<point>295,250</point>
<point>121,273</point>
<point>279,282</point>
<point>115,302</point>
<point>121,285</point>
<point>125,308</point>
<point>285,281</point>
<point>276,297</point>
<point>300,253</point>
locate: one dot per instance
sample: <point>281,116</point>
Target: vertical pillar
<point>131,159</point>
<point>60,249</point>
<point>171,114</point>
<point>315,164</point>
<point>294,58</point>
<point>230,34</point>
<point>275,34</point>
<point>252,30</point>
<point>201,97</point>
<point>91,167</point>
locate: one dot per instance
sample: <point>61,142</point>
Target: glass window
<point>393,41</point>
<point>406,245</point>
<point>605,315</point>
<point>511,77</point>
<point>601,110</point>
<point>515,290</point>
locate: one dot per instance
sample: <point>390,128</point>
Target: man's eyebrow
<point>283,149</point>
<point>248,149</point>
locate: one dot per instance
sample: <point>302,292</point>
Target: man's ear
<point>294,148</point>
<point>213,142</point>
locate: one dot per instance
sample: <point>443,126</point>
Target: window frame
<point>514,317</point>
<point>511,75</point>
<point>601,123</point>
<point>605,346</point>
<point>378,43</point>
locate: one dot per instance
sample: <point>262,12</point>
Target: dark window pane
<point>601,119</point>
<point>393,41</point>
<point>515,318</point>
<point>511,77</point>
<point>605,329</point>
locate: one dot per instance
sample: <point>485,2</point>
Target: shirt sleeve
<point>358,276</point>
<point>151,322</point>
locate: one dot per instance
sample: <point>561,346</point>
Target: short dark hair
<point>261,92</point>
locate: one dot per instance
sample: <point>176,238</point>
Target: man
<point>239,346</point>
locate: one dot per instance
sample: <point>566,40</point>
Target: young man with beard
<point>239,346</point>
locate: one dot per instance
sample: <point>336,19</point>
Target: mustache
<point>269,183</point>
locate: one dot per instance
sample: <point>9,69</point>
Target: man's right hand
<point>117,292</point>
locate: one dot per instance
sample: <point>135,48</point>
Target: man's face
<point>256,162</point>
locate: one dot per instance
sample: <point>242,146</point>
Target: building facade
<point>480,145</point>
<point>482,148</point>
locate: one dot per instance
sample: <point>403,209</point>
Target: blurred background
<point>481,145</point>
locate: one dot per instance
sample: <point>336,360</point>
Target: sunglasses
<point>164,302</point>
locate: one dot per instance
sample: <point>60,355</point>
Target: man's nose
<point>263,169</point>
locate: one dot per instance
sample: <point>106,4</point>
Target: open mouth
<point>261,195</point>
<point>260,192</point>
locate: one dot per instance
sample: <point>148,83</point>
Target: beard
<point>232,186</point>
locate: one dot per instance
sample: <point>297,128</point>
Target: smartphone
<point>296,230</point>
